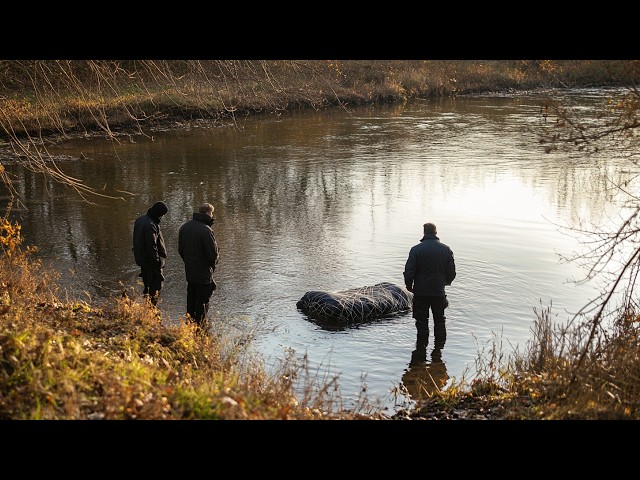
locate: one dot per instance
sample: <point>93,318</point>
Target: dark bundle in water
<point>356,304</point>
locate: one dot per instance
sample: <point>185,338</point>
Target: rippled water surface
<point>334,200</point>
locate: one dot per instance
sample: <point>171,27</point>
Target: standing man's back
<point>430,267</point>
<point>198,249</point>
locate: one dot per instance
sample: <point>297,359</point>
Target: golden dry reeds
<point>65,359</point>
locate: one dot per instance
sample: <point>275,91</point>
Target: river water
<point>333,200</point>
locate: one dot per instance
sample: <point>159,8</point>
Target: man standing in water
<point>429,268</point>
<point>198,249</point>
<point>149,250</point>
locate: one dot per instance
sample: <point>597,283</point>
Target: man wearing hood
<point>198,249</point>
<point>149,250</point>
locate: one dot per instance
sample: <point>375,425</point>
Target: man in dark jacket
<point>429,268</point>
<point>149,250</point>
<point>198,249</point>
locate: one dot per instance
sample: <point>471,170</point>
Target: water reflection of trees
<point>281,184</point>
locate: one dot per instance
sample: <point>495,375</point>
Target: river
<point>333,200</point>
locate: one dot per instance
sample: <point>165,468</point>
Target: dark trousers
<point>421,306</point>
<point>198,296</point>
<point>152,279</point>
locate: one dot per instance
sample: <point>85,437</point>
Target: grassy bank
<point>61,358</point>
<point>62,97</point>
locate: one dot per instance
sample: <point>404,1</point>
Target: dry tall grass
<point>66,359</point>
<point>545,381</point>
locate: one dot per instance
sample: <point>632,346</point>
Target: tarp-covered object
<point>356,304</point>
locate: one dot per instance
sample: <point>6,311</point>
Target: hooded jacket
<point>430,267</point>
<point>198,249</point>
<point>149,249</point>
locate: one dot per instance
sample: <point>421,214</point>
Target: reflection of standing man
<point>429,268</point>
<point>422,379</point>
<point>198,249</point>
<point>149,250</point>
